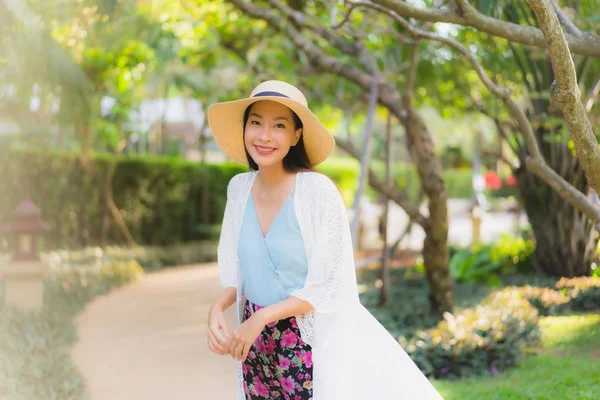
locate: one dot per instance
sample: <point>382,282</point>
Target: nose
<point>265,134</point>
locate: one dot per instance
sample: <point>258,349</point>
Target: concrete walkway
<point>147,340</point>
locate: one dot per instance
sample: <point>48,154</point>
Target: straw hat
<point>226,119</point>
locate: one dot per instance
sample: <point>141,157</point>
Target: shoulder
<point>238,182</point>
<point>319,185</point>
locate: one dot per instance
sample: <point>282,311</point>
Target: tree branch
<point>391,193</point>
<point>565,21</point>
<point>310,23</point>
<point>587,43</point>
<point>535,163</point>
<point>592,96</point>
<point>388,96</point>
<point>412,71</point>
<point>567,94</point>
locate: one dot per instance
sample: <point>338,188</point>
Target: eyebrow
<point>276,119</point>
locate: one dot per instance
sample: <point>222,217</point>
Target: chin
<point>268,163</point>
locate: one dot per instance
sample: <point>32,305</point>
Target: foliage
<point>149,258</point>
<point>485,262</point>
<point>69,289</point>
<point>160,199</point>
<point>35,362</point>
<point>408,311</point>
<point>487,338</point>
<point>566,295</point>
<point>486,333</point>
<point>566,345</point>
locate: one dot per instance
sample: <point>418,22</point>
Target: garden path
<point>147,340</point>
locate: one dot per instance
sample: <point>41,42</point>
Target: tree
<point>565,243</point>
<point>347,56</point>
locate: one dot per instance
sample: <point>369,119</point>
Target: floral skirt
<point>279,363</point>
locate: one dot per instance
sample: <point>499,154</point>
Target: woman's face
<point>270,132</point>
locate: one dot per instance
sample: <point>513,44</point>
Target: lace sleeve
<point>331,278</point>
<point>226,257</point>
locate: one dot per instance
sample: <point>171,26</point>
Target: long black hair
<point>296,159</point>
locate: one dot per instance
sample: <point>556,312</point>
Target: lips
<point>264,150</point>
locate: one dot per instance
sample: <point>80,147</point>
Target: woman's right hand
<point>218,334</point>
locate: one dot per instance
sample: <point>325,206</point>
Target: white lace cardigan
<point>354,356</point>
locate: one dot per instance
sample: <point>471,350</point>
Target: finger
<point>212,348</point>
<point>240,351</point>
<point>223,326</point>
<point>246,351</point>
<point>231,347</point>
<point>217,334</point>
<point>215,342</point>
<point>235,351</point>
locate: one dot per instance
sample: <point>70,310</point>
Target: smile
<point>264,150</point>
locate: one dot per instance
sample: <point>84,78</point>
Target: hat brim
<point>226,123</point>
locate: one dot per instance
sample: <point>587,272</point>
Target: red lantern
<point>25,227</point>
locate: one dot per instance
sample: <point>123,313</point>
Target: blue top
<point>275,265</point>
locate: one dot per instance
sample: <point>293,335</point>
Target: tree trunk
<point>435,246</point>
<point>565,239</point>
<point>106,220</point>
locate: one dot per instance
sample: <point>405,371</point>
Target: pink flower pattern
<point>278,368</point>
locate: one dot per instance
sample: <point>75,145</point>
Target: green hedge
<point>160,199</point>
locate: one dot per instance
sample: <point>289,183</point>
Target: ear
<point>297,134</point>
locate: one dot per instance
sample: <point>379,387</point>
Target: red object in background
<point>492,181</point>
<point>511,180</point>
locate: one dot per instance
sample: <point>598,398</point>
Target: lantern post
<point>24,274</point>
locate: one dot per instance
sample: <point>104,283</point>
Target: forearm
<point>226,299</point>
<point>284,309</point>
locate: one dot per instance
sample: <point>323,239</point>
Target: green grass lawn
<point>565,367</point>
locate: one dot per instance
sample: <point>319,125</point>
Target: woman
<point>285,258</point>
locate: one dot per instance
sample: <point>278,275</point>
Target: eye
<point>254,122</point>
<point>280,126</point>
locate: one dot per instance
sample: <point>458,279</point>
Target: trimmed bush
<point>162,200</point>
<point>489,337</point>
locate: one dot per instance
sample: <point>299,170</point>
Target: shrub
<point>483,264</point>
<point>162,200</point>
<point>567,295</point>
<point>68,289</point>
<point>489,337</point>
<point>35,362</point>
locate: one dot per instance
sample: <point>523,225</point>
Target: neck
<point>272,176</point>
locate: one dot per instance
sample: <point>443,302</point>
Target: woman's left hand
<point>244,336</point>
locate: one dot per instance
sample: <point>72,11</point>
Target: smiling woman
<point>286,260</point>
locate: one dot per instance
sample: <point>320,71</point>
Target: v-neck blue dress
<point>275,265</point>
